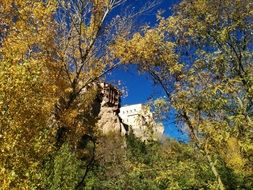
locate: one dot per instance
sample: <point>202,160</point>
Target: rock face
<point>108,117</point>
<point>109,121</point>
<point>114,118</point>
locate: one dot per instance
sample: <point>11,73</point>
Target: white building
<point>141,121</point>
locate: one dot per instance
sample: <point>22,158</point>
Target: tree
<point>202,58</point>
<point>50,51</point>
<point>27,94</point>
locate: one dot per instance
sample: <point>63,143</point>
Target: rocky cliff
<point>111,117</point>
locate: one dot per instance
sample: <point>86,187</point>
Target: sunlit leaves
<point>27,93</point>
<point>150,49</point>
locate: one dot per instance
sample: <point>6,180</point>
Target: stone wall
<point>140,120</point>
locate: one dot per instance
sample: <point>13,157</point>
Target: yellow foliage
<point>27,92</point>
<point>233,155</point>
<point>148,50</point>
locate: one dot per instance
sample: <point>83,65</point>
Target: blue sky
<point>140,88</point>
